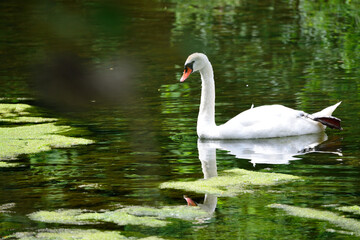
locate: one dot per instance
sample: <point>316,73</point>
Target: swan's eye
<point>189,66</point>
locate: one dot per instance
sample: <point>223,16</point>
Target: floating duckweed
<point>90,186</point>
<point>343,222</point>
<point>352,209</point>
<point>4,208</point>
<point>6,164</point>
<point>26,139</point>
<point>13,110</point>
<point>18,113</point>
<point>34,138</point>
<point>131,215</point>
<point>180,212</point>
<point>28,120</point>
<point>60,216</point>
<point>122,218</point>
<point>78,217</point>
<point>70,234</point>
<point>231,182</point>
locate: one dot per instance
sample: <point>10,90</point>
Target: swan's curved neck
<point>207,104</point>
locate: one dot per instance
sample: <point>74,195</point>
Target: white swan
<point>259,122</point>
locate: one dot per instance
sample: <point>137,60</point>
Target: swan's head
<point>195,62</point>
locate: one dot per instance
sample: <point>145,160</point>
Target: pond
<point>98,136</point>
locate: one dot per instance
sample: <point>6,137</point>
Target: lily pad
<point>343,222</point>
<point>231,182</point>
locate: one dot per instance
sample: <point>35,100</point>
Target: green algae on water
<point>19,113</point>
<point>231,182</point>
<point>179,212</point>
<point>80,217</point>
<point>122,218</point>
<point>30,134</point>
<point>75,234</point>
<point>4,208</point>
<point>69,234</point>
<point>59,216</point>
<point>131,215</point>
<point>346,223</point>
<point>351,209</point>
<point>34,138</point>
<point>6,164</point>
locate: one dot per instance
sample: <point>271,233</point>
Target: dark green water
<point>302,54</point>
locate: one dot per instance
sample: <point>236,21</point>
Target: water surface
<point>301,54</point>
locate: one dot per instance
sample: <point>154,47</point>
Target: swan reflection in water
<point>259,151</point>
<point>272,150</point>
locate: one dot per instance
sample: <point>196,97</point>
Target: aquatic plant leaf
<point>231,182</point>
<point>343,222</point>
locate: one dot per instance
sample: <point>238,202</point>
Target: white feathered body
<point>266,122</point>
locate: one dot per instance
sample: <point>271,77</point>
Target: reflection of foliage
<point>313,43</point>
<point>179,110</point>
<point>197,18</point>
<point>337,25</point>
<point>332,30</point>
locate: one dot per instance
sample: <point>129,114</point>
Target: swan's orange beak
<point>186,74</point>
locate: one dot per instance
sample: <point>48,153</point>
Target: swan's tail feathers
<point>331,122</point>
<point>324,117</point>
<point>327,111</point>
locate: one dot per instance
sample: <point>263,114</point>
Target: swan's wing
<point>264,115</point>
<point>268,121</point>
